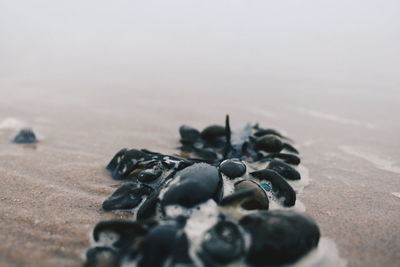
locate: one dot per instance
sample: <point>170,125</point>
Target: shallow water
<point>91,78</point>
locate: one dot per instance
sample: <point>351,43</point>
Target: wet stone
<point>129,161</point>
<point>288,158</point>
<point>285,170</point>
<point>158,245</point>
<point>279,237</point>
<point>121,233</point>
<point>206,153</point>
<point>197,184</point>
<point>149,175</point>
<point>258,200</point>
<point>223,244</point>
<point>180,254</point>
<point>188,134</point>
<point>290,148</point>
<point>102,256</point>
<point>25,136</point>
<point>232,168</point>
<point>116,159</point>
<point>269,143</point>
<point>280,187</point>
<point>262,132</point>
<point>212,132</point>
<point>127,196</point>
<point>237,198</point>
<point>149,206</point>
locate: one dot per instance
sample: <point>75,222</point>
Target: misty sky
<point>356,42</point>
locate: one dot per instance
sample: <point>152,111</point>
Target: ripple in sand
<point>379,163</point>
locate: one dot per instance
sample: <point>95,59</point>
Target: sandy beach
<point>86,97</point>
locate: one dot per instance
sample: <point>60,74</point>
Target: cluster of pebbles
<point>223,202</point>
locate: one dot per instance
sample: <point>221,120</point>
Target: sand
<point>51,193</point>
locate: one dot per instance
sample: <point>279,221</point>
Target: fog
<point>202,44</point>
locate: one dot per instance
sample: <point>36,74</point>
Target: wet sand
<point>91,78</point>
<point>51,193</point>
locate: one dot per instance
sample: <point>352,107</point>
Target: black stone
<point>197,184</point>
<point>288,158</point>
<point>25,136</point>
<point>212,132</point>
<point>116,159</point>
<point>223,243</point>
<point>279,186</point>
<point>290,148</point>
<point>149,175</point>
<point>127,196</point>
<point>237,198</point>
<point>285,170</point>
<point>102,256</point>
<point>149,206</point>
<point>269,143</point>
<point>232,168</point>
<point>279,237</point>
<point>188,134</point>
<point>258,200</point>
<point>127,232</point>
<point>206,153</point>
<point>262,132</point>
<point>158,245</point>
<point>180,253</point>
<point>129,161</point>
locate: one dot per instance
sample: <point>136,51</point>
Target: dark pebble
<point>197,184</point>
<point>149,206</point>
<point>237,198</point>
<point>223,243</point>
<point>290,148</point>
<point>262,132</point>
<point>259,198</point>
<point>279,186</point>
<point>285,170</point>
<point>127,196</point>
<point>127,232</point>
<point>279,237</point>
<point>116,159</point>
<point>180,253</point>
<point>269,143</point>
<point>188,134</point>
<point>149,175</point>
<point>206,153</point>
<point>25,136</point>
<point>129,162</point>
<point>232,168</point>
<point>102,256</point>
<point>212,132</point>
<point>158,245</point>
<point>288,158</point>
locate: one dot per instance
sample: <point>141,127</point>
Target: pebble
<point>223,244</point>
<point>127,196</point>
<point>285,170</point>
<point>232,168</point>
<point>259,198</point>
<point>212,132</point>
<point>25,136</point>
<point>269,143</point>
<point>280,187</point>
<point>279,237</point>
<point>197,184</point>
